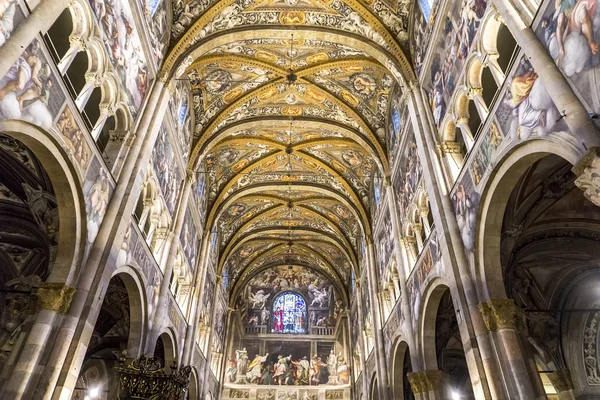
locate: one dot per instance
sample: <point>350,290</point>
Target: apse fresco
<point>156,18</point>
<point>97,191</point>
<point>181,109</point>
<point>456,39</point>
<point>189,239</point>
<point>124,48</point>
<point>570,31</point>
<point>30,91</point>
<point>424,17</point>
<point>312,304</point>
<point>166,169</point>
<point>408,174</point>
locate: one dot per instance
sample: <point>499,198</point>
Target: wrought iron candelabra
<point>145,378</point>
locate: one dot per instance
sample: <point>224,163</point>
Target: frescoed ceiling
<point>290,101</point>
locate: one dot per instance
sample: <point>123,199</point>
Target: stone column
<point>479,355</point>
<point>40,20</point>
<point>54,299</point>
<point>503,318</point>
<point>561,380</point>
<point>160,314</point>
<point>67,352</point>
<point>92,80</point>
<point>427,385</point>
<point>576,116</point>
<point>105,113</point>
<point>190,335</point>
<point>467,135</point>
<point>382,376</point>
<point>475,95</point>
<point>77,45</point>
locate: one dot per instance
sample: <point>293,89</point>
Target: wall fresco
<point>423,22</point>
<point>74,138</point>
<point>97,191</point>
<point>156,18</point>
<point>181,108</point>
<point>166,169</point>
<point>189,239</point>
<point>408,174</point>
<point>570,31</point>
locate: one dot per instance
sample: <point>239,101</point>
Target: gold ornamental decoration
<point>55,296</point>
<point>502,314</point>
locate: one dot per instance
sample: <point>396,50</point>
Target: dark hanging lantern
<point>144,378</point>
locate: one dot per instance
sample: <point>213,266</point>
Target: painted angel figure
<point>258,299</point>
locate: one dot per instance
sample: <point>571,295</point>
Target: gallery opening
<point>299,199</point>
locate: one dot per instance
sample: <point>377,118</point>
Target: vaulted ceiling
<point>291,99</point>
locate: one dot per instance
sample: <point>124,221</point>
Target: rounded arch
<point>193,389</point>
<point>432,296</point>
<point>374,389</point>
<point>494,198</point>
<point>69,196</point>
<point>138,313</point>
<point>401,367</point>
<point>166,348</point>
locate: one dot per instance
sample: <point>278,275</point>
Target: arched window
<point>289,313</point>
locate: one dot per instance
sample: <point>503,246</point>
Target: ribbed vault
<point>290,101</point>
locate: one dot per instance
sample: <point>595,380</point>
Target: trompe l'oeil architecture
<point>299,199</point>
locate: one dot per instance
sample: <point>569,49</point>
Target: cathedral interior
<point>299,199</point>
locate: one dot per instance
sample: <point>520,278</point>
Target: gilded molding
<point>55,296</point>
<point>502,314</point>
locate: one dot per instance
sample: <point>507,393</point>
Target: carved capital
<point>423,382</point>
<point>79,42</point>
<point>502,314</point>
<point>417,227</point>
<point>190,175</point>
<point>561,380</point>
<point>117,135</point>
<point>92,77</point>
<point>448,147</point>
<point>55,296</point>
<point>587,170</point>
<point>163,76</point>
<point>497,16</point>
<point>473,92</point>
<point>463,122</point>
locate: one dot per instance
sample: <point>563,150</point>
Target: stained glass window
<point>289,313</point>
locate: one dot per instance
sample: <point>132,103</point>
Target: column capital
<point>502,314</point>
<point>475,91</point>
<point>387,181</point>
<point>117,135</point>
<point>423,382</point>
<point>448,147</point>
<point>587,170</point>
<point>163,76</point>
<point>55,296</point>
<point>79,42</point>
<point>190,175</point>
<point>561,380</point>
<point>369,239</point>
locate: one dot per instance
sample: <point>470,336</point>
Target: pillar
<point>160,314</point>
<point>105,112</point>
<point>361,342</point>
<point>503,318</point>
<point>382,376</point>
<point>467,135</point>
<point>561,380</point>
<point>40,20</point>
<point>92,80</point>
<point>576,116</point>
<point>209,352</point>
<point>427,385</point>
<point>67,351</point>
<point>475,95</point>
<point>483,368</point>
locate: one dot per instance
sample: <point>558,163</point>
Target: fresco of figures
<point>309,301</point>
<point>166,169</point>
<point>156,18</point>
<point>74,138</point>
<point>570,31</point>
<point>423,22</point>
<point>408,174</point>
<point>10,18</point>
<point>97,191</point>
<point>396,121</point>
<point>124,48</point>
<point>456,39</point>
<point>182,113</point>
<point>30,91</point>
<point>246,366</point>
<point>189,239</point>
<point>377,194</point>
<point>384,243</point>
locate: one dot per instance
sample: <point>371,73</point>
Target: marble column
<point>40,20</point>
<point>190,335</point>
<point>382,376</point>
<point>160,315</point>
<point>480,357</point>
<point>576,116</point>
<point>561,380</point>
<point>70,345</point>
<point>503,319</point>
<point>77,44</point>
